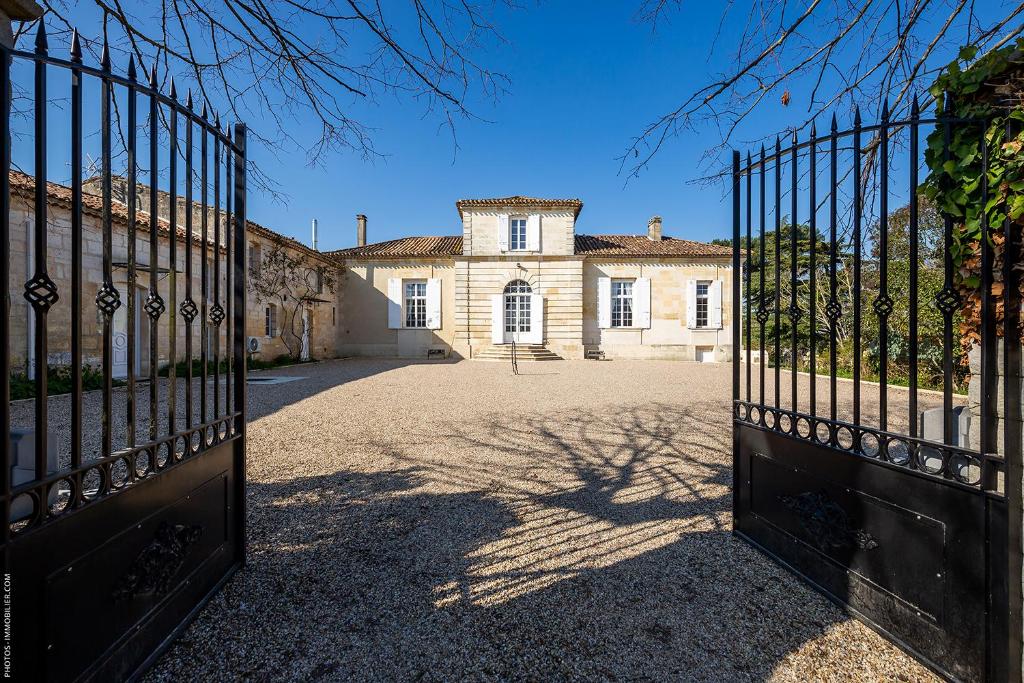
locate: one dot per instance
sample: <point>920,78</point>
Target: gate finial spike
<point>131,67</point>
<point>794,137</point>
<point>188,99</point>
<point>835,126</point>
<point>41,37</point>
<point>856,116</point>
<point>814,129</point>
<point>203,114</point>
<point>915,108</point>
<point>105,57</point>
<point>76,47</point>
<point>174,92</point>
<point>778,144</point>
<point>152,74</point>
<point>885,109</point>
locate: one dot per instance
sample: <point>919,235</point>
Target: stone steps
<point>524,352</point>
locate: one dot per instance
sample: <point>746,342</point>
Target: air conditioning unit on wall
<point>253,345</point>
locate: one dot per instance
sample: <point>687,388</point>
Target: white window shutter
<point>394,303</point>
<point>502,232</point>
<point>536,335</point>
<point>497,319</point>
<point>604,302</point>
<point>715,304</point>
<point>533,232</point>
<point>691,304</point>
<point>434,303</point>
<point>642,302</point>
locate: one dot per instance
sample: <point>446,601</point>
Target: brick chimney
<point>360,230</point>
<point>654,229</point>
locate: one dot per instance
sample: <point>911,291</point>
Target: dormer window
<point>517,234</point>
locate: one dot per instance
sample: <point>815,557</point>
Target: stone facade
<point>563,275</point>
<point>322,315</point>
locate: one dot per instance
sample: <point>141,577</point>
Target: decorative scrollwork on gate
<point>156,566</point>
<point>827,523</point>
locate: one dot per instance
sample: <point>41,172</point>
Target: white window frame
<point>414,304</point>
<point>704,298</point>
<point>270,321</point>
<point>518,238</point>
<point>622,292</point>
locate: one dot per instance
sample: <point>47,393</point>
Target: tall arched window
<point>517,307</point>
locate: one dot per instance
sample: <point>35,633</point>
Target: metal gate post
<point>238,352</point>
<point>735,322</point>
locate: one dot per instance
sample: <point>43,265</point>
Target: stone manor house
<point>517,273</point>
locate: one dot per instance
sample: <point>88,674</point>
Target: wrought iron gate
<point>901,519</point>
<point>128,512</point>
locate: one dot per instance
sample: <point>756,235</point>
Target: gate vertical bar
<point>154,305</point>
<point>172,268</point>
<point>229,267</point>
<point>107,299</point>
<point>761,309</point>
<point>812,268</point>
<point>132,313</point>
<point>882,304</point>
<point>794,310</point>
<point>239,296</point>
<point>5,282</point>
<point>188,306</point>
<point>748,276</point>
<point>735,275</point>
<point>834,311</point>
<point>40,290</point>
<point>215,311</point>
<point>915,115</point>
<point>856,269</point>
<point>76,258</point>
<point>947,302</point>
<point>1012,430</point>
<point>204,336</point>
<point>989,347</point>
<point>778,274</point>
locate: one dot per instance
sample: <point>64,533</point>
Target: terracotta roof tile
<point>518,200</point>
<point>23,185</point>
<point>640,245</point>
<point>406,247</point>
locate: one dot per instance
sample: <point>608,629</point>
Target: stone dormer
<point>518,226</point>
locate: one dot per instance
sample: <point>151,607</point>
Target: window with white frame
<point>270,320</point>
<point>622,303</point>
<point>517,234</point>
<point>702,303</point>
<point>415,303</point>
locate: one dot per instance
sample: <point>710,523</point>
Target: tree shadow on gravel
<point>560,547</point>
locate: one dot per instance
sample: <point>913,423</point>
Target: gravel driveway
<point>449,521</point>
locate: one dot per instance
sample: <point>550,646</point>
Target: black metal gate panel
<point>124,506</point>
<point>888,496</point>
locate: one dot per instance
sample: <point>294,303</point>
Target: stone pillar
<point>16,10</point>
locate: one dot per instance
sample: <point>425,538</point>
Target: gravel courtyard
<point>450,521</point>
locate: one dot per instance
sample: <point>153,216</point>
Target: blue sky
<point>583,83</point>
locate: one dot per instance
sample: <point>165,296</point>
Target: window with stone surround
<point>702,303</point>
<point>270,320</point>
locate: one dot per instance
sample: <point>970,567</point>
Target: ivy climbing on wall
<point>984,97</point>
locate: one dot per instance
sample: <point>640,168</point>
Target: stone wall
<point>558,280</point>
<point>363,321</point>
<point>59,267</point>
<point>668,337</point>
